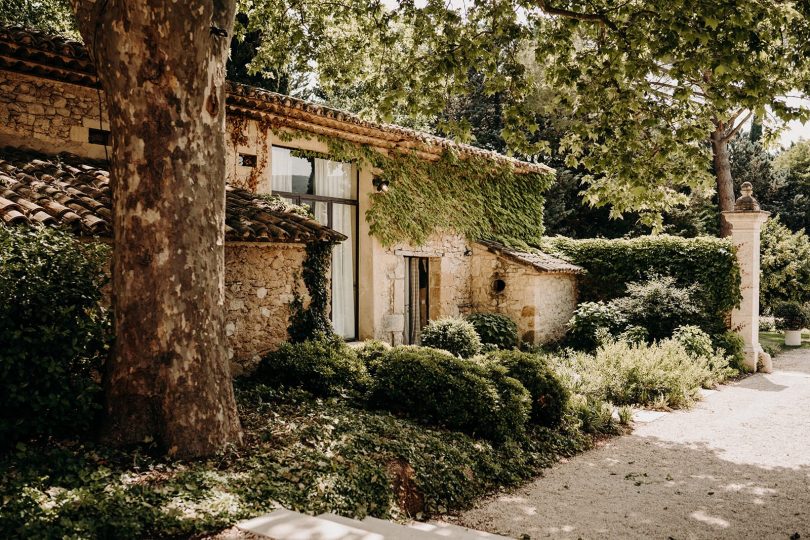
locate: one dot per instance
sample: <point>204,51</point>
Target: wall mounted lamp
<point>381,184</point>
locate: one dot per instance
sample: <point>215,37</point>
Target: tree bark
<point>162,69</point>
<point>722,170</point>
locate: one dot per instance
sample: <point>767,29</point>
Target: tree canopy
<point>639,87</point>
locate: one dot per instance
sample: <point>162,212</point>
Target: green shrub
<point>785,265</point>
<point>635,334</point>
<point>591,317</point>
<point>709,263</point>
<point>325,366</point>
<point>372,354</point>
<point>438,388</point>
<point>549,396</point>
<point>657,305</point>
<point>594,416</point>
<point>791,316</point>
<point>694,340</point>
<point>731,344</point>
<point>650,311</point>
<point>453,335</point>
<point>53,332</point>
<point>495,329</point>
<point>663,374</point>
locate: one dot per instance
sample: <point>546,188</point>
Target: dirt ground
<point>735,466</point>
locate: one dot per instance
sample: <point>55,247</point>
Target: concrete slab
<point>288,525</point>
<point>455,532</point>
<point>643,416</point>
<point>386,529</point>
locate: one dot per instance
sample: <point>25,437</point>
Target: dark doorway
<point>417,297</point>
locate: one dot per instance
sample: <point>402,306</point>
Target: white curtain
<point>334,179</point>
<point>281,166</point>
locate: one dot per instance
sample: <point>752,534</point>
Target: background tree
<point>692,73</point>
<point>785,272</point>
<point>794,200</point>
<point>162,69</point>
<point>52,16</point>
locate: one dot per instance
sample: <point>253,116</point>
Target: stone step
<point>387,529</point>
<point>454,532</point>
<point>284,524</point>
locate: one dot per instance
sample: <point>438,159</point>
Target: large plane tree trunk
<point>722,171</point>
<point>162,68</point>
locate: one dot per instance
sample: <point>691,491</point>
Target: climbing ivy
<point>473,196</point>
<point>308,321</point>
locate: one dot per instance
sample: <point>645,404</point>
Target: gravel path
<point>735,466</point>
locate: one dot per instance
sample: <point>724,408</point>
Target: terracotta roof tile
<point>540,261</point>
<point>67,191</point>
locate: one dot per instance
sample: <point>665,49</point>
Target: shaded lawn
<point>773,342</point>
<point>302,453</point>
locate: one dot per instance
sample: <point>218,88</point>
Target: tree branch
<point>736,128</point>
<point>588,17</point>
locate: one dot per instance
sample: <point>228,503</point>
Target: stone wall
<point>260,282</point>
<point>48,116</point>
<point>541,303</point>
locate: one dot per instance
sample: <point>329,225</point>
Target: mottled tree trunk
<point>162,68</point>
<point>722,171</point>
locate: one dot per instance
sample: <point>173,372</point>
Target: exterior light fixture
<point>381,185</point>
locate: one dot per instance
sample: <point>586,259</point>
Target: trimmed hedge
<point>325,366</point>
<point>54,333</point>
<point>548,394</point>
<point>435,387</point>
<point>709,263</point>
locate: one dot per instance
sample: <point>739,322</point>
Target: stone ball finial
<point>746,202</point>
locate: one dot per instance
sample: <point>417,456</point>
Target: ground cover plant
<point>305,453</point>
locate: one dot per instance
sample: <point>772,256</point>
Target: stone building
<point>50,103</point>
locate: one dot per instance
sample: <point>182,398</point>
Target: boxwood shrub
<point>548,395</point>
<point>324,366</point>
<point>709,263</point>
<point>495,329</point>
<point>53,332</point>
<point>437,388</point>
<point>453,335</point>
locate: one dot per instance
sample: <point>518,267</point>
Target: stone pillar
<point>746,221</point>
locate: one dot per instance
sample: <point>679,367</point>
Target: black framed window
<point>329,189</point>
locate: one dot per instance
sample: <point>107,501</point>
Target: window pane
<point>344,273</point>
<point>334,179</point>
<point>291,174</point>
